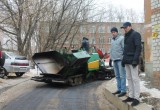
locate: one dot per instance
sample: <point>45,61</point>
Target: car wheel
<point>19,74</point>
<point>3,72</point>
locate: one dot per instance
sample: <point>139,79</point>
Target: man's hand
<point>122,63</point>
<point>110,63</point>
<point>134,64</point>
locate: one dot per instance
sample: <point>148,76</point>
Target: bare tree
<point>19,19</point>
<point>42,25</point>
<point>119,14</point>
<point>62,23</point>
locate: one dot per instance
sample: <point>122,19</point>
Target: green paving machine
<point>73,69</point>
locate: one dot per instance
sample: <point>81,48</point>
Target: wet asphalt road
<point>56,97</point>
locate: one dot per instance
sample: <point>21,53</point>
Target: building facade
<point>99,33</point>
<point>152,40</point>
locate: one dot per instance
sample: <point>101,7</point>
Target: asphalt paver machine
<point>73,69</point>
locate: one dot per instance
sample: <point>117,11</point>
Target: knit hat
<point>85,38</point>
<point>114,29</point>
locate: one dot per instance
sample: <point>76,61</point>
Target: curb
<point>117,101</point>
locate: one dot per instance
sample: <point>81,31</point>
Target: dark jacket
<point>132,47</point>
<point>85,44</point>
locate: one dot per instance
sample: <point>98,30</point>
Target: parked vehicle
<point>15,63</point>
<point>2,60</point>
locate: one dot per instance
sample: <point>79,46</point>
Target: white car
<point>15,63</point>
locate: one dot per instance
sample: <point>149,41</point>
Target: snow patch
<point>153,91</point>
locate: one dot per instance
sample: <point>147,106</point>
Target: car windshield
<point>12,54</point>
<point>18,57</point>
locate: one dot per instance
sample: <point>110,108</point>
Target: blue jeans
<point>120,74</point>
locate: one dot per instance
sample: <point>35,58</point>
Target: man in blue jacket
<point>131,54</point>
<point>116,54</point>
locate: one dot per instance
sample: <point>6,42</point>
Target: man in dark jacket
<point>85,44</point>
<point>131,54</point>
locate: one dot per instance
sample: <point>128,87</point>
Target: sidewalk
<point>149,99</point>
<point>8,83</point>
<point>4,84</point>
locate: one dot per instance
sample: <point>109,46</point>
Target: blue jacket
<point>117,47</point>
<point>132,47</point>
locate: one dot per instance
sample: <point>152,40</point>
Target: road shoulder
<point>110,87</point>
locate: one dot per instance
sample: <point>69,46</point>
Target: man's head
<point>114,31</point>
<point>127,27</point>
<point>84,38</point>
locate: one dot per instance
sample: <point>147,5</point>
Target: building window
<point>101,29</point>
<point>83,29</point>
<point>138,29</point>
<point>92,29</point>
<point>92,40</point>
<point>103,50</point>
<point>109,40</point>
<point>108,29</point>
<point>102,40</point>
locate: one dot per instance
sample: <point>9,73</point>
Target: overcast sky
<point>137,5</point>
